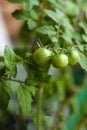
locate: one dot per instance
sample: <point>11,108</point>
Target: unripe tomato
<point>73,57</point>
<point>42,56</point>
<point>60,60</point>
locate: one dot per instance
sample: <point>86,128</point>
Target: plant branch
<point>16,80</point>
<point>39,99</point>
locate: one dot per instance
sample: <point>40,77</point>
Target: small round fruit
<point>42,56</point>
<point>60,60</point>
<point>73,57</point>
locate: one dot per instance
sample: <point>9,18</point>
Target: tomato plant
<point>36,87</point>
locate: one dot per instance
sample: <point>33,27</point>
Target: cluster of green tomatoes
<point>43,56</point>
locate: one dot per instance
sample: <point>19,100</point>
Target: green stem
<point>38,114</point>
<point>16,80</point>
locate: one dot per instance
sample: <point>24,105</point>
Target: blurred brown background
<point>12,24</point>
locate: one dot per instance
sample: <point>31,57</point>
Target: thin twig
<point>18,81</point>
<point>14,80</point>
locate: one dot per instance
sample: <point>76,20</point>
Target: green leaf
<point>59,17</point>
<point>84,37</point>
<point>77,37</point>
<point>10,58</point>
<point>80,99</point>
<point>67,36</point>
<point>66,40</point>
<point>50,31</point>
<point>34,14</point>
<point>47,30</point>
<point>2,69</point>
<point>83,25</point>
<point>29,4</point>
<point>53,39</point>
<point>24,95</point>
<point>52,15</point>
<point>83,61</point>
<point>4,97</point>
<point>21,15</point>
<point>31,24</point>
<point>71,123</point>
<point>32,90</point>
<point>47,120</point>
<point>55,3</point>
<point>68,8</point>
<point>6,85</point>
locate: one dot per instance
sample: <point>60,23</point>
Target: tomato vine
<point>52,43</point>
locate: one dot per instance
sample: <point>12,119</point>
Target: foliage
<point>47,96</point>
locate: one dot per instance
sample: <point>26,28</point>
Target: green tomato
<point>60,60</point>
<point>73,57</point>
<point>42,56</point>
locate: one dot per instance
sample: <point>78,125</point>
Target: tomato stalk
<point>39,99</point>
